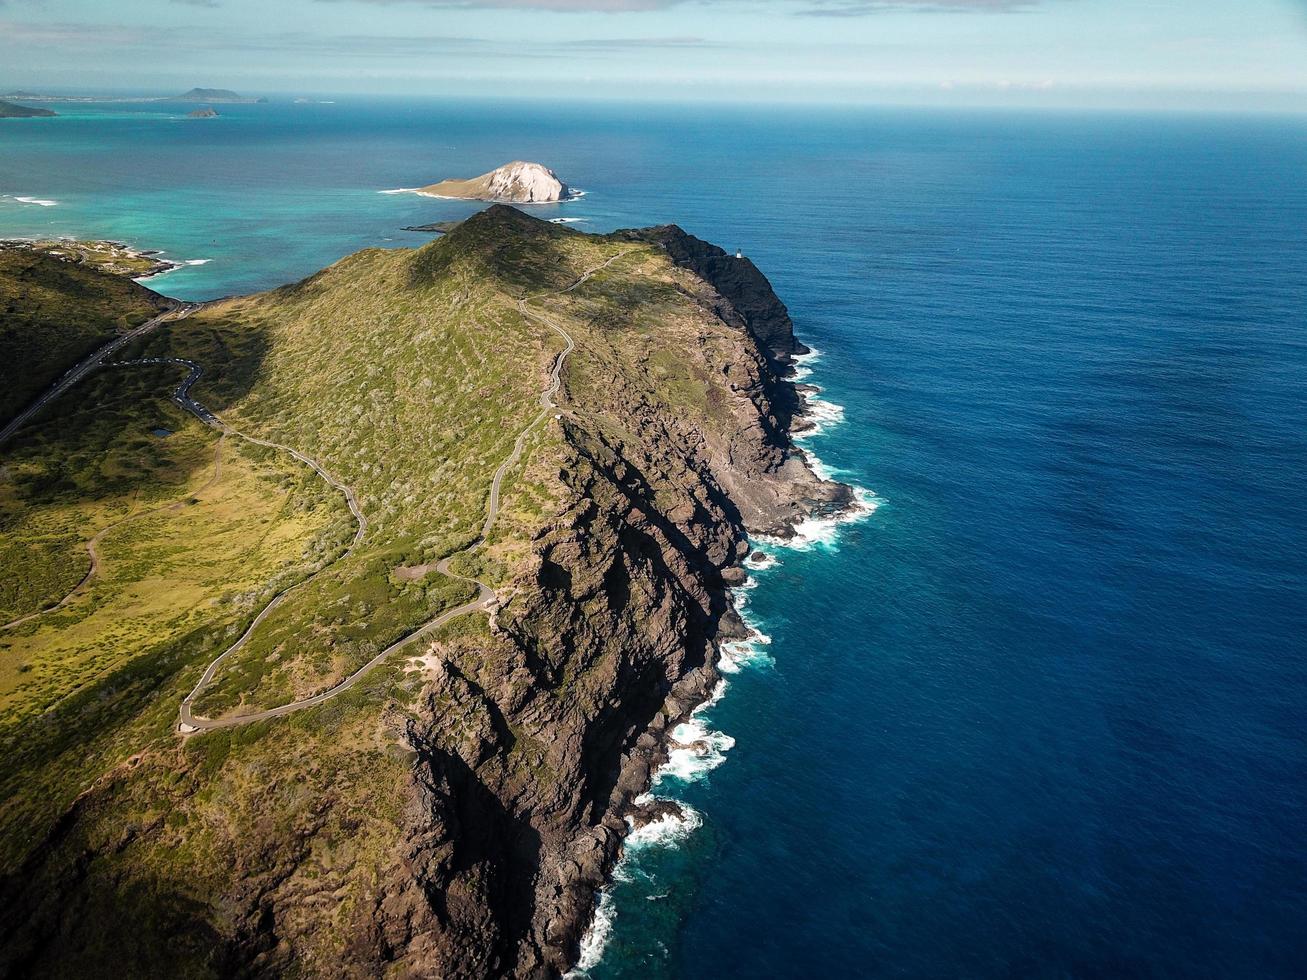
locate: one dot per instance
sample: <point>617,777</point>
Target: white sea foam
<point>402,190</point>
<point>824,531</point>
<point>803,364</point>
<point>822,414</point>
<point>750,652</point>
<point>696,750</point>
<point>596,937</point>
<point>198,261</point>
<point>668,830</point>
<point>43,202</point>
<point>763,563</point>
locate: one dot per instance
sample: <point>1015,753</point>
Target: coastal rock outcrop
<point>518,182</point>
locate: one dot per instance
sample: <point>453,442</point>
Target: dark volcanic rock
<point>734,575</point>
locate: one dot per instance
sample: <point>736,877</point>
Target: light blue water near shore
<point>1043,712</point>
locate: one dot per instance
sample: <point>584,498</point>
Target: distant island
<point>205,113</point>
<point>214,95</point>
<point>218,95</point>
<point>8,110</point>
<point>518,182</point>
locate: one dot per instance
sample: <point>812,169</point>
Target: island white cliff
<point>518,182</point>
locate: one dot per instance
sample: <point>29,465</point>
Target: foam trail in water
<point>43,202</point>
<point>803,364</point>
<point>667,831</point>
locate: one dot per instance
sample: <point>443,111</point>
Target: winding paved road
<point>89,364</point>
<point>485,599</point>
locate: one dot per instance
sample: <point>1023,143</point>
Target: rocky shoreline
<point>115,258</point>
<point>653,751</point>
<point>740,287</point>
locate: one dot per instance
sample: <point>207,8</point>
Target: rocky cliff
<point>455,819</point>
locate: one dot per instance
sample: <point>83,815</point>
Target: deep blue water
<point>1044,713</point>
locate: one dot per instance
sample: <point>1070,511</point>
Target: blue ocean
<point>1041,710</point>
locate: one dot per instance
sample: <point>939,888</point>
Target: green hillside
<point>53,313</point>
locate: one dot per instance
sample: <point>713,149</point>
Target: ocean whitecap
<point>823,532</point>
<point>696,751</point>
<point>668,830</point>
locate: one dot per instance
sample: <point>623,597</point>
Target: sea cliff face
<point>476,849</point>
<point>612,641</point>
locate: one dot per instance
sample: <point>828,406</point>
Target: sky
<point>1176,54</point>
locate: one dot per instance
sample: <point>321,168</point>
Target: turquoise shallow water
<point>1042,712</point>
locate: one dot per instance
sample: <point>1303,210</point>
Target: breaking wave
<point>43,202</point>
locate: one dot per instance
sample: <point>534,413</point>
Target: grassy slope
<point>408,374</point>
<point>52,314</point>
<point>191,551</point>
